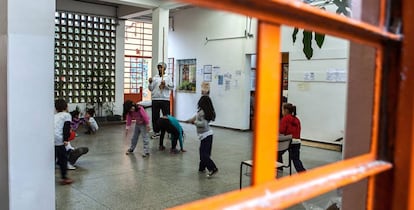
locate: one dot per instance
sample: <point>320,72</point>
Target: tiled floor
<point>106,178</point>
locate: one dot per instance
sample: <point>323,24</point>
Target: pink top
<point>140,116</point>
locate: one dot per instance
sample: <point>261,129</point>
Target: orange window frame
<point>389,176</point>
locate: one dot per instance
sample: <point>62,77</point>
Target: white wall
<point>26,95</point>
<point>321,104</point>
<point>188,41</point>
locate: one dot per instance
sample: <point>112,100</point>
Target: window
<point>136,74</point>
<point>138,57</point>
<point>391,135</point>
<point>187,74</point>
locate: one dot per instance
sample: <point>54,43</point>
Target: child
<point>76,121</point>
<point>205,114</point>
<point>91,124</point>
<point>62,132</point>
<point>136,112</point>
<point>290,125</point>
<point>74,154</point>
<point>171,125</point>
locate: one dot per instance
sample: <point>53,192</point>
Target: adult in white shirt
<point>160,86</point>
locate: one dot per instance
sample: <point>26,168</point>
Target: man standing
<point>160,87</point>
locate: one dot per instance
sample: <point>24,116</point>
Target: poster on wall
<point>207,77</point>
<point>208,69</point>
<point>220,79</point>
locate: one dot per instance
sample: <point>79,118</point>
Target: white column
<point>26,104</point>
<point>119,67</point>
<point>160,17</point>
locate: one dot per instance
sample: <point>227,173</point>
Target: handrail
<point>287,191</point>
<point>298,14</point>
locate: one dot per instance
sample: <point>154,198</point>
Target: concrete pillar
<point>160,18</point>
<point>27,174</point>
<point>119,67</point>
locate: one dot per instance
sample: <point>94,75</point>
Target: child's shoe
<point>174,151</point>
<point>214,171</point>
<point>71,167</point>
<point>129,151</point>
<point>66,181</point>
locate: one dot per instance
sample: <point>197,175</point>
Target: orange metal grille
<point>268,193</point>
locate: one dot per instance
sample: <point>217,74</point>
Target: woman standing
<point>290,125</point>
<point>205,114</point>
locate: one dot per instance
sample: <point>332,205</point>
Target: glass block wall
<point>84,58</point>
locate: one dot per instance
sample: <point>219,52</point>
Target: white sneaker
<point>71,167</point>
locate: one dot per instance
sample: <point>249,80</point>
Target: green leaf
<point>307,44</point>
<point>319,38</point>
<point>295,32</point>
<point>342,7</point>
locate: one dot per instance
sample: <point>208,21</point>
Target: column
<point>27,178</point>
<point>160,18</point>
<point>119,67</point>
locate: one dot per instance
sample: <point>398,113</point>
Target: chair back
<point>284,142</point>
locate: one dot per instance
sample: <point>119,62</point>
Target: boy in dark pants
<point>62,133</point>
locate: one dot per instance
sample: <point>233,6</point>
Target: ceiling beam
<point>148,4</point>
<point>136,14</point>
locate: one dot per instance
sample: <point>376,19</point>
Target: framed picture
<point>208,69</point>
<point>207,77</point>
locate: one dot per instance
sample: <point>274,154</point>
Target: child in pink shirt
<point>136,112</point>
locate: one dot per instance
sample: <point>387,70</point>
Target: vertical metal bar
<point>383,12</point>
<point>266,122</point>
<point>375,120</point>
<point>377,100</point>
<point>403,192</point>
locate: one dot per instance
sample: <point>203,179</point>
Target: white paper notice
<point>335,75</point>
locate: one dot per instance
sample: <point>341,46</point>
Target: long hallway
<point>107,179</point>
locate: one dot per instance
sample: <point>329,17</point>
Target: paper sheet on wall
<point>336,75</point>
<point>309,76</point>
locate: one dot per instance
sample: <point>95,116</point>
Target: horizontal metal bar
<point>287,191</point>
<point>225,38</point>
<point>298,14</point>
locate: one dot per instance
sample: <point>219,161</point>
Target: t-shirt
<point>93,124</point>
<point>290,125</point>
<point>60,119</point>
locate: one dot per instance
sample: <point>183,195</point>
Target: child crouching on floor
<point>91,124</point>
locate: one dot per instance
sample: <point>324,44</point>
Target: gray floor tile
<point>108,179</point>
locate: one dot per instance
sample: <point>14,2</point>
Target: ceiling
<point>138,9</point>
